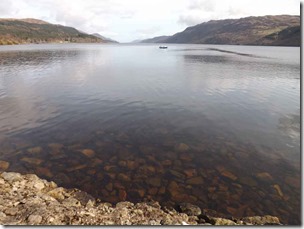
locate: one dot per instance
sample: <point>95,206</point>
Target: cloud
<point>133,19</point>
<point>205,5</point>
<point>145,32</point>
<point>6,7</point>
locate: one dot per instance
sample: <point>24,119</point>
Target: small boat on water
<point>163,47</point>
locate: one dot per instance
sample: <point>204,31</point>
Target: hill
<point>104,38</point>
<point>159,39</point>
<point>29,30</point>
<point>281,30</point>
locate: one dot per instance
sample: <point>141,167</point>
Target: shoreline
<point>30,200</point>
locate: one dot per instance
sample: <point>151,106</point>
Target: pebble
<point>278,189</point>
<point>182,147</point>
<point>122,194</point>
<point>195,181</point>
<point>155,182</point>
<point>31,160</point>
<point>190,172</point>
<point>88,152</point>
<point>190,209</point>
<point>34,219</point>
<point>4,165</point>
<point>11,211</point>
<point>229,175</point>
<point>221,221</point>
<point>264,176</point>
<point>123,177</point>
<point>11,177</point>
<point>35,150</point>
<point>77,167</point>
<point>43,171</point>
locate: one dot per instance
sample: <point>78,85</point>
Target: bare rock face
<point>29,200</point>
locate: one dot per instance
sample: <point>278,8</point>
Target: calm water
<point>193,123</point>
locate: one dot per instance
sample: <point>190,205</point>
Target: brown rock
<point>112,175</point>
<point>166,162</point>
<point>35,150</point>
<point>182,147</point>
<point>278,189</point>
<point>4,165</point>
<point>223,188</point>
<point>155,182</point>
<point>211,189</point>
<point>109,187</point>
<point>190,172</point>
<point>195,181</point>
<point>153,191</point>
<point>231,210</point>
<point>229,175</point>
<point>77,167</point>
<point>173,188</point>
<point>123,177</point>
<point>43,171</point>
<point>247,181</point>
<point>108,168</point>
<point>262,220</point>
<point>177,174</point>
<point>88,152</point>
<point>185,157</point>
<point>132,165</point>
<point>31,160</point>
<point>96,161</point>
<point>141,192</point>
<point>162,190</point>
<point>122,195</point>
<point>91,172</point>
<point>55,146</point>
<point>220,168</point>
<point>264,176</point>
<point>122,163</point>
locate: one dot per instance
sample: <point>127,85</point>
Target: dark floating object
<point>163,47</point>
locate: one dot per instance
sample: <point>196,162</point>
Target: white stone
<point>34,219</point>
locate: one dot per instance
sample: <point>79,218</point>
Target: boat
<point>163,47</point>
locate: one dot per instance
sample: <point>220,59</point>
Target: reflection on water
<point>187,124</point>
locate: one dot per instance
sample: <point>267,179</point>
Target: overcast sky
<point>128,20</point>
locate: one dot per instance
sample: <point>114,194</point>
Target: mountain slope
<point>104,38</point>
<point>265,30</point>
<point>159,39</point>
<point>22,31</point>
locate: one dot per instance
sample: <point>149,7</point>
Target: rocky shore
<point>29,200</point>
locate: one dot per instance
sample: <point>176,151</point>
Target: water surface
<point>214,125</point>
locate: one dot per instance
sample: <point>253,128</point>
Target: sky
<point>129,20</point>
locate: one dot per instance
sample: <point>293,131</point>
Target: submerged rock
<point>35,150</point>
<point>195,181</point>
<point>31,160</point>
<point>88,152</point>
<point>4,165</point>
<point>29,200</point>
<point>182,147</point>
